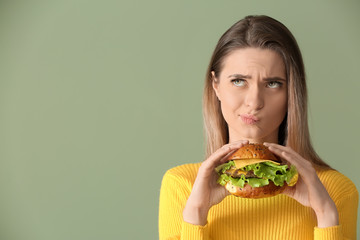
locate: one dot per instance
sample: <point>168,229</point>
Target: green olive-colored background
<point>99,98</point>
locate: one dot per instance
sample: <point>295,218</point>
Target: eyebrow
<point>249,77</point>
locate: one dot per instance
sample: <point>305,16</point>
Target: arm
<point>310,192</point>
<point>347,205</point>
<point>184,208</point>
<point>206,192</point>
<point>174,193</point>
<point>348,209</point>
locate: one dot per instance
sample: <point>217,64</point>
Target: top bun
<point>253,150</point>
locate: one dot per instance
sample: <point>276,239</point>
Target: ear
<point>215,84</point>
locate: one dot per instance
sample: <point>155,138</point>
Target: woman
<point>255,91</point>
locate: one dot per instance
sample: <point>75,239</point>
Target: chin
<point>252,136</point>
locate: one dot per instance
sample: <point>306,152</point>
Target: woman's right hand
<point>206,192</point>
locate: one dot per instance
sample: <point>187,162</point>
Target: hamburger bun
<point>255,192</point>
<point>253,150</point>
<point>253,171</point>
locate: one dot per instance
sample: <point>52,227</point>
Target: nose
<point>254,99</point>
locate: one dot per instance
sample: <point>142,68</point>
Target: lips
<point>249,119</point>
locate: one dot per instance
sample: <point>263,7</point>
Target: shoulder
<point>179,180</point>
<point>337,184</point>
<point>186,172</point>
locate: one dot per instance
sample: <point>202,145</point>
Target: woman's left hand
<point>309,190</point>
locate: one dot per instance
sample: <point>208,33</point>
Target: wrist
<point>328,216</point>
<point>195,215</point>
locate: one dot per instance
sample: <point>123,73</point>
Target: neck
<point>272,138</point>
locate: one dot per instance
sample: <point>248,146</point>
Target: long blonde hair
<point>266,33</point>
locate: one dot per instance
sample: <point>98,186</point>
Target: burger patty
<point>236,173</point>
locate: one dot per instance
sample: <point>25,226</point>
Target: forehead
<point>247,60</point>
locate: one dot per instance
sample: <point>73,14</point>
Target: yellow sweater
<point>279,217</point>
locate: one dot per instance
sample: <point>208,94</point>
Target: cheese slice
<point>293,180</point>
<point>232,171</point>
<point>240,163</point>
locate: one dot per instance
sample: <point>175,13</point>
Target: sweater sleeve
<point>346,200</point>
<point>174,192</point>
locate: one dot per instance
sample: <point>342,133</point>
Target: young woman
<point>255,91</point>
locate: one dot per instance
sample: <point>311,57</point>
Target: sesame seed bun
<point>247,155</point>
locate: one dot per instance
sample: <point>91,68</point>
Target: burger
<point>253,171</point>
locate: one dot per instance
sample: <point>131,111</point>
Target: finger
<point>219,157</point>
<point>289,191</point>
<point>288,157</point>
<point>221,154</point>
<point>226,149</point>
<point>285,152</point>
<point>226,157</point>
<point>227,193</point>
<point>303,166</point>
<point>283,148</point>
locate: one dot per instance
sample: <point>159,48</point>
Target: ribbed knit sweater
<point>278,217</point>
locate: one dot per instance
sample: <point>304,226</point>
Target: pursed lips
<point>249,119</point>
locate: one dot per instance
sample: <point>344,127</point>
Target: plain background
<point>99,98</point>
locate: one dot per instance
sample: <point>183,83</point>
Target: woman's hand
<point>309,190</point>
<point>206,192</point>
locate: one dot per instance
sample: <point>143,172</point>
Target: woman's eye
<point>274,84</point>
<point>238,82</point>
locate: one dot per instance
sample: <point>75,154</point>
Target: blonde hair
<point>266,33</point>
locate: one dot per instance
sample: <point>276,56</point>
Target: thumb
<point>289,191</point>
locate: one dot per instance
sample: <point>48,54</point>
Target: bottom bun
<point>255,192</point>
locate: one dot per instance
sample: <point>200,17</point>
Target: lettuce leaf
<point>225,166</point>
<point>291,173</point>
<point>240,182</point>
<point>266,171</point>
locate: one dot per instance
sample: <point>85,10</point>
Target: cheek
<point>230,103</point>
<point>278,107</point>
<point>230,107</point>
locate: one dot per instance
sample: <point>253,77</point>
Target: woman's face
<point>252,89</point>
